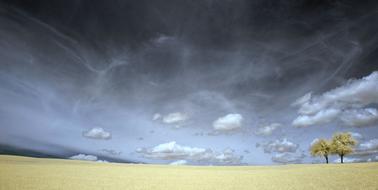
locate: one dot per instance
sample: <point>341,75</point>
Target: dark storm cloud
<point>72,66</point>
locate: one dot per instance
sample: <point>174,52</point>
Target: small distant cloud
<point>228,123</point>
<point>111,151</point>
<point>280,146</point>
<point>287,157</point>
<point>268,130</point>
<point>174,118</point>
<point>177,119</point>
<point>162,39</point>
<point>179,162</point>
<point>97,133</point>
<point>86,157</point>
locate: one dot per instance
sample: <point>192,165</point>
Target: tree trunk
<point>326,157</point>
<point>342,158</point>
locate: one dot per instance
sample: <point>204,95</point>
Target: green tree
<point>321,147</point>
<point>342,144</point>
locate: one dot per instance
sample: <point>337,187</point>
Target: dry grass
<point>33,173</point>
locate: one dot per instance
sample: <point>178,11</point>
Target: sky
<point>246,82</point>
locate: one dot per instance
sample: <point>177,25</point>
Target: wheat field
<point>23,173</point>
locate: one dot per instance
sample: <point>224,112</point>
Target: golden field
<point>23,173</point>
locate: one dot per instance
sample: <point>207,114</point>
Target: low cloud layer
<point>359,117</point>
<point>174,151</point>
<point>288,157</point>
<point>348,103</point>
<point>229,122</point>
<point>179,162</point>
<point>111,151</point>
<point>354,160</point>
<point>280,146</point>
<point>84,157</point>
<point>367,149</point>
<point>371,145</point>
<point>97,133</point>
<point>87,157</point>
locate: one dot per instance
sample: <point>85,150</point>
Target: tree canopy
<point>342,144</point>
<point>321,147</point>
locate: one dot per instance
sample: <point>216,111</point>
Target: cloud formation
<point>321,117</point>
<point>349,160</point>
<point>371,145</point>
<point>174,118</point>
<point>360,117</point>
<point>288,157</point>
<point>229,122</point>
<point>356,136</point>
<point>174,151</point>
<point>367,148</point>
<point>97,133</point>
<point>111,151</point>
<point>156,116</point>
<point>346,103</point>
<point>84,157</point>
<point>280,146</point>
<point>87,157</point>
<point>267,130</point>
<point>179,162</point>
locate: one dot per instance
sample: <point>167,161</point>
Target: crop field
<point>20,173</point>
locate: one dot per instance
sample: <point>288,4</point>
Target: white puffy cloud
<point>287,157</point>
<point>346,104</point>
<point>360,117</point>
<point>267,130</point>
<point>175,118</point>
<point>228,123</point>
<point>179,162</point>
<point>280,146</point>
<point>174,151</point>
<point>323,116</point>
<point>83,157</point>
<point>97,133</point>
